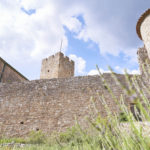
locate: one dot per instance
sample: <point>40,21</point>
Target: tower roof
<point>141,19</point>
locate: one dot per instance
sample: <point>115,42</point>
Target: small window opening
<point>37,129</point>
<point>21,122</point>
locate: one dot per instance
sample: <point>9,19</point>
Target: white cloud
<point>107,42</point>
<point>117,68</point>
<point>95,72</point>
<point>129,71</point>
<point>29,38</point>
<point>80,64</point>
<point>134,71</point>
<point>72,23</point>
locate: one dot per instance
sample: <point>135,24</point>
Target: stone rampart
<point>52,104</point>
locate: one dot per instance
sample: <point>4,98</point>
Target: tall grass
<point>120,131</point>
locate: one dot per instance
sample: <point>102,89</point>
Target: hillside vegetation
<point>123,131</point>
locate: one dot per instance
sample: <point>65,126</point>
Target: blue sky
<point>101,32</point>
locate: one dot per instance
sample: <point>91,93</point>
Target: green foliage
<point>12,140</point>
<point>110,133</point>
<point>36,137</point>
<point>123,117</point>
<point>69,135</point>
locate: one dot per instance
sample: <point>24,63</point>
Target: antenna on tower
<point>61,44</point>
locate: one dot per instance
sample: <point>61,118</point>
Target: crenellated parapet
<point>143,59</point>
<point>57,66</point>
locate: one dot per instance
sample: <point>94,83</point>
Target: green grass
<point>103,133</point>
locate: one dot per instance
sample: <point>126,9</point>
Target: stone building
<point>8,74</point>
<point>53,102</point>
<point>57,66</point>
<point>143,31</point>
<point>143,60</point>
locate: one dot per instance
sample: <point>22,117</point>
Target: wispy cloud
<point>80,64</point>
<point>32,29</point>
<point>129,71</point>
<point>96,72</point>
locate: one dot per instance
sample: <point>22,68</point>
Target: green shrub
<point>123,117</point>
<point>12,140</point>
<point>69,135</point>
<point>37,137</point>
<point>104,133</point>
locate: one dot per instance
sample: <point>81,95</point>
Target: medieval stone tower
<point>57,66</point>
<point>143,31</point>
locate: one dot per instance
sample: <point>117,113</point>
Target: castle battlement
<point>57,66</point>
<point>51,105</point>
<point>67,59</point>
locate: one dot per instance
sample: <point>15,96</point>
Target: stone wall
<point>57,66</point>
<point>52,105</point>
<point>9,74</point>
<point>143,59</point>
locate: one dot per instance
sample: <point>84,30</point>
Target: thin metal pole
<point>61,45</point>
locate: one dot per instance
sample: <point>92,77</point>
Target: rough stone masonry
<point>53,102</point>
<point>57,66</point>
